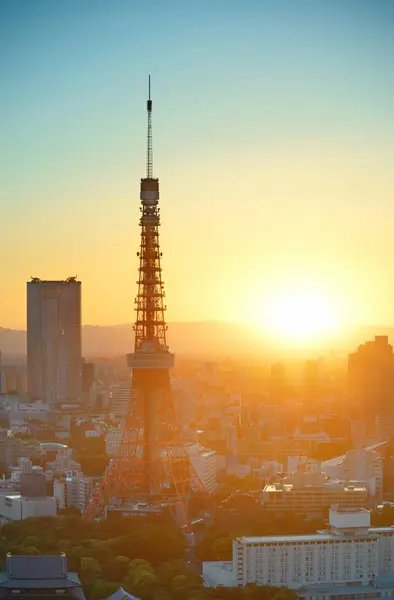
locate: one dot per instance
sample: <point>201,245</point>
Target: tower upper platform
<point>149,191</point>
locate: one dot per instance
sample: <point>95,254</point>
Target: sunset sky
<point>273,141</point>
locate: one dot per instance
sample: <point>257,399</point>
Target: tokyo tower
<point>151,465</point>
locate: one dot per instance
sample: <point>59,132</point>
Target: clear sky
<point>273,141</point>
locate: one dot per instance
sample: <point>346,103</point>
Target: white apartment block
<point>15,507</point>
<point>74,490</point>
<point>204,465</point>
<point>88,487</point>
<point>350,553</point>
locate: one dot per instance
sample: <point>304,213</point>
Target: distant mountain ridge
<point>200,337</point>
<point>193,337</point>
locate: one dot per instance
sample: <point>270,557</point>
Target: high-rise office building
<point>54,348</point>
<point>87,376</point>
<point>371,379</point>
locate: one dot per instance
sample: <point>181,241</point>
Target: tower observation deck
<point>151,465</point>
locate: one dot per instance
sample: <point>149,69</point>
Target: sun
<point>300,315</point>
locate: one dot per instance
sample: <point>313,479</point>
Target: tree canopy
<point>146,559</point>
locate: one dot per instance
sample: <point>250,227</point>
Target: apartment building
<point>350,554</point>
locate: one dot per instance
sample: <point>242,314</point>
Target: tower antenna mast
<point>149,152</point>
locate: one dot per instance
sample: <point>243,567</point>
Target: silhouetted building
<point>337,426</point>
<point>9,380</point>
<point>371,378</point>
<point>33,485</point>
<point>87,376</point>
<point>311,382</point>
<point>39,576</point>
<point>54,346</point>
<point>278,381</point>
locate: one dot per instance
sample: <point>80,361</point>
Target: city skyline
<point>294,118</point>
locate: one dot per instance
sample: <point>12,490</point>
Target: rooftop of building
<point>337,460</point>
<point>37,572</point>
<point>52,445</point>
<point>224,565</point>
<point>217,569</point>
<point>69,280</point>
<point>121,594</point>
<point>376,446</point>
<point>329,486</point>
<point>206,452</point>
<point>140,507</point>
<point>324,536</point>
<point>343,510</point>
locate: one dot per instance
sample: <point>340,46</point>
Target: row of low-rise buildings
<point>71,488</point>
<point>354,479</point>
<point>15,507</point>
<point>25,494</point>
<point>43,490</point>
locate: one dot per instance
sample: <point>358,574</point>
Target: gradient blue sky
<point>273,141</point>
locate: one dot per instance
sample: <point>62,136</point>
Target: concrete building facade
<point>15,507</point>
<point>8,380</point>
<point>119,400</point>
<point>349,553</point>
<point>371,379</point>
<point>313,493</point>
<point>54,346</point>
<point>204,464</point>
<point>358,465</point>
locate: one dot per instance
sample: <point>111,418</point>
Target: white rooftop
<point>313,537</point>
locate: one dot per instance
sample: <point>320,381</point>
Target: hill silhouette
<point>207,338</point>
<point>194,337</point>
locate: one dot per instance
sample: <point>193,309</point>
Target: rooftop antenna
<point>149,154</point>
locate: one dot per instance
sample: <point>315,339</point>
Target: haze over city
<point>232,162</point>
<point>273,140</point>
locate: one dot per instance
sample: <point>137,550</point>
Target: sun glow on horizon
<point>301,316</point>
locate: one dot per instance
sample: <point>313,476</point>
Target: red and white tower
<point>152,465</point>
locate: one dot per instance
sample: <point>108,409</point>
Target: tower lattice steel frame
<point>152,463</point>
